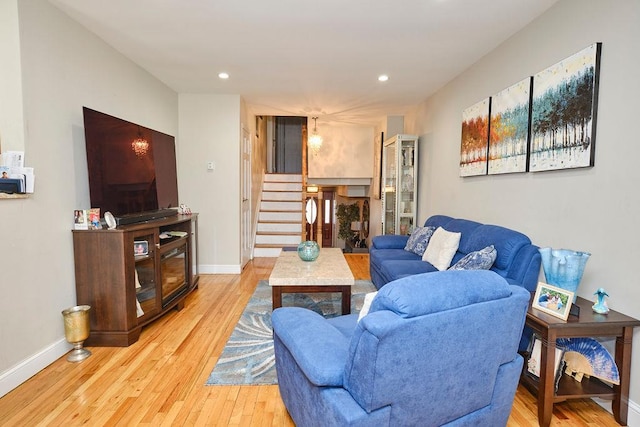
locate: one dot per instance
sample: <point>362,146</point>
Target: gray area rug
<point>248,357</point>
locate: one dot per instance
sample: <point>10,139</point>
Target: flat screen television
<point>132,169</point>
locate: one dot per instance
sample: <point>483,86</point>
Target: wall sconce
<point>140,146</point>
<point>315,140</point>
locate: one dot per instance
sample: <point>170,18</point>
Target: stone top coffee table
<point>329,273</point>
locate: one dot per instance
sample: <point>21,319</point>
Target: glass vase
<point>563,268</point>
<point>308,250</point>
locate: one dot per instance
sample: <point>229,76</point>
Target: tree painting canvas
<point>564,107</point>
<point>509,129</point>
<point>475,139</point>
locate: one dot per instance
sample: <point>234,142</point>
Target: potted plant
<point>346,214</point>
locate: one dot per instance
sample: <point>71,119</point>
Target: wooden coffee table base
<point>277,291</point>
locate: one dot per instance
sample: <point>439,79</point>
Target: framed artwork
<point>563,112</point>
<point>533,361</point>
<point>377,166</point>
<point>509,129</point>
<point>475,139</point>
<point>552,300</point>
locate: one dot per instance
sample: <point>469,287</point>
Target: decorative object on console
<point>110,220</point>
<point>553,300</point>
<point>586,356</point>
<point>76,330</point>
<point>600,305</point>
<point>564,268</point>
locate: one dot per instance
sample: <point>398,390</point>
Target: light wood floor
<point>160,380</point>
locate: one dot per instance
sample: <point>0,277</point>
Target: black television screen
<point>128,176</point>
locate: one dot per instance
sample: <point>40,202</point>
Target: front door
<point>328,206</point>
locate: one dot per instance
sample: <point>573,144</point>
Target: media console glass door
<point>173,271</point>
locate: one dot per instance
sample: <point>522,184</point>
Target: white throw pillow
<point>366,304</point>
<point>441,248</point>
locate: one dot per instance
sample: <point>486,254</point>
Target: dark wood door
<point>328,205</point>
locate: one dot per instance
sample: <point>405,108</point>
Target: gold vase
<point>76,330</point>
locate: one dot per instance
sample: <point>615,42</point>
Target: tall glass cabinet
<point>399,184</point>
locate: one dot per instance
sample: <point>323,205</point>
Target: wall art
<point>564,109</point>
<point>475,139</point>
<point>509,129</point>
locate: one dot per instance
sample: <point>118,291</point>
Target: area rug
<point>248,356</point>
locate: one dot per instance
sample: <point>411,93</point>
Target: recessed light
<point>383,78</point>
<point>223,75</point>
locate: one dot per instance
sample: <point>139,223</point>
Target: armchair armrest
<point>319,349</point>
<point>390,241</point>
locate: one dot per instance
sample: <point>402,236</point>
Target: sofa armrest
<point>319,349</point>
<point>390,241</point>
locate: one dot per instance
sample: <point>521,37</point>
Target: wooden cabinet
<point>399,184</point>
<point>133,274</point>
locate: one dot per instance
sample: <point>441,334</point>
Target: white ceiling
<point>307,57</point>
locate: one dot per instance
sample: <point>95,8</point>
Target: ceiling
<point>307,57</point>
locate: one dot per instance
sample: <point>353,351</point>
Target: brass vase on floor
<point>76,330</point>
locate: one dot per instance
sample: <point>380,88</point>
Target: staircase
<point>280,216</point>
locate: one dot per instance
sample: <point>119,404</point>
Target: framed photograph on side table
<point>552,300</point>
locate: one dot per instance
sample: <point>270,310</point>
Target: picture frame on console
<point>553,300</point>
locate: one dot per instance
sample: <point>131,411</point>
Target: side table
<point>588,324</point>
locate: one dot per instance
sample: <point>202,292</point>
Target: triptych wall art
<point>544,122</point>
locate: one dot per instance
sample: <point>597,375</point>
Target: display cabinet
<point>399,184</point>
<point>134,274</point>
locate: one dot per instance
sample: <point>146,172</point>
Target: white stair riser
<point>266,252</point>
<point>281,216</point>
<point>282,177</point>
<point>281,206</point>
<point>282,186</point>
<point>267,239</point>
<point>286,227</point>
<point>277,195</point>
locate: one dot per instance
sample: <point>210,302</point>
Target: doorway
<point>328,218</point>
<point>288,144</point>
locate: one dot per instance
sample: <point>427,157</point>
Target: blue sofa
<point>434,349</point>
<point>518,261</point>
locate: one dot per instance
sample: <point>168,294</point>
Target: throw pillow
<point>478,260</point>
<point>419,240</point>
<point>441,248</point>
<point>366,305</point>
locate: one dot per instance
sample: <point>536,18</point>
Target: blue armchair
<point>434,349</point>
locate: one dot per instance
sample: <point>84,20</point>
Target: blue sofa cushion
<point>417,296</point>
<point>477,260</point>
<point>419,240</point>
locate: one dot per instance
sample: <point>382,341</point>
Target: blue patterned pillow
<point>419,240</point>
<point>478,260</point>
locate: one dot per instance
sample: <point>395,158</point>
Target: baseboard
<point>219,269</point>
<point>24,370</point>
<point>633,418</point>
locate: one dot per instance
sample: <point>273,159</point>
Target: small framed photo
<point>140,248</point>
<point>553,300</point>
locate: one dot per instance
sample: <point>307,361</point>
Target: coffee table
<point>329,273</point>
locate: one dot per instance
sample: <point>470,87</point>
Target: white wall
<point>11,120</point>
<point>64,67</point>
<point>210,130</point>
<point>594,209</point>
<point>347,152</point>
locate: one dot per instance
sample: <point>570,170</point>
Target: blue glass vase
<point>308,250</point>
<point>563,268</point>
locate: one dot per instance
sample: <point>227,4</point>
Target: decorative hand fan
<point>586,356</point>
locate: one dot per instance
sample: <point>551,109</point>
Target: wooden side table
<point>588,324</point>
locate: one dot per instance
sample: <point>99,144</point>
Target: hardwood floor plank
<point>160,380</point>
